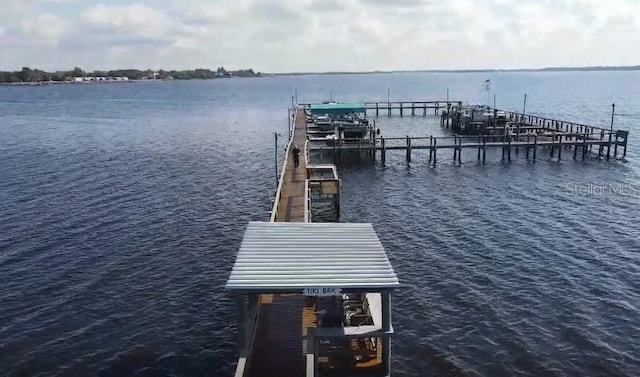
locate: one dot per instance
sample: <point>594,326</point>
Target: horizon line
<point>467,70</point>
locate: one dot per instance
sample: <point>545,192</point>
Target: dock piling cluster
<point>481,127</point>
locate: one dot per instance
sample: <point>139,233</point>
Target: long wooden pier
<point>531,144</point>
<point>406,106</point>
<point>277,345</point>
<point>402,107</point>
<point>290,201</point>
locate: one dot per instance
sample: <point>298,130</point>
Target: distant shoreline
<point>548,69</point>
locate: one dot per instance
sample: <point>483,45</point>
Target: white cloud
<point>307,35</point>
<point>135,19</point>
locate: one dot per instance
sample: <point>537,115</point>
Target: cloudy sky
<point>318,35</point>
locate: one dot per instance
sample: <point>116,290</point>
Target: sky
<point>317,35</point>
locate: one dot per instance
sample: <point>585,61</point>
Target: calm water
<point>121,208</point>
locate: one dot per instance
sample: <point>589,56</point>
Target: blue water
<point>122,206</point>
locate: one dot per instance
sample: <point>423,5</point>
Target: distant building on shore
<point>84,79</point>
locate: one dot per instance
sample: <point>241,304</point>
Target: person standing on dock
<point>296,156</point>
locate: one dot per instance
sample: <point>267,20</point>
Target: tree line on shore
<point>36,75</point>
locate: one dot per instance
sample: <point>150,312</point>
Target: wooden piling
<point>509,152</point>
<point>377,111</point>
<point>413,108</point>
<point>479,146</point>
<point>584,146</point>
<point>400,108</point>
<point>601,147</point>
<point>553,140</point>
<point>460,152</point>
<point>383,152</point>
<point>575,149</point>
<point>455,147</point>
<point>609,147</point>
<point>559,147</point>
<point>430,148</point>
<point>408,149</point>
<point>535,146</point>
<point>484,148</point>
<point>435,150</point>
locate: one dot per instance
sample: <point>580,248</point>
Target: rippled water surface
<point>121,208</point>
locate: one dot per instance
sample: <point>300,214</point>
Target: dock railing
<point>276,198</point>
<point>307,202</point>
<point>243,361</point>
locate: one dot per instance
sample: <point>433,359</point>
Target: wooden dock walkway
<point>291,194</point>
<point>280,345</point>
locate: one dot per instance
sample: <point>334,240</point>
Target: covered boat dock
<point>313,299</point>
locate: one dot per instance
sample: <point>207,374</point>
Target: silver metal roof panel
<point>291,256</point>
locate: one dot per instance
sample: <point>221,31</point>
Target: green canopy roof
<point>336,108</point>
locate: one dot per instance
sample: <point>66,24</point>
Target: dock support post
<point>615,148</point>
<point>383,152</point>
<point>503,148</point>
<point>413,108</point>
<point>336,200</point>
<point>609,147</point>
<point>553,140</point>
<point>430,148</point>
<point>435,108</point>
<point>528,146</point>
<point>455,148</point>
<point>377,110</point>
<point>435,150</point>
<point>479,146</point>
<point>601,147</point>
<point>484,149</point>
<point>584,146</point>
<point>459,150</point>
<point>535,146</point>
<point>575,148</point>
<point>624,151</point>
<point>509,152</point>
<point>559,147</point>
<point>400,108</point>
<point>408,149</point>
<point>424,109</point>
<point>386,328</point>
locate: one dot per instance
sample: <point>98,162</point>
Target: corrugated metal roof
<point>291,256</point>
